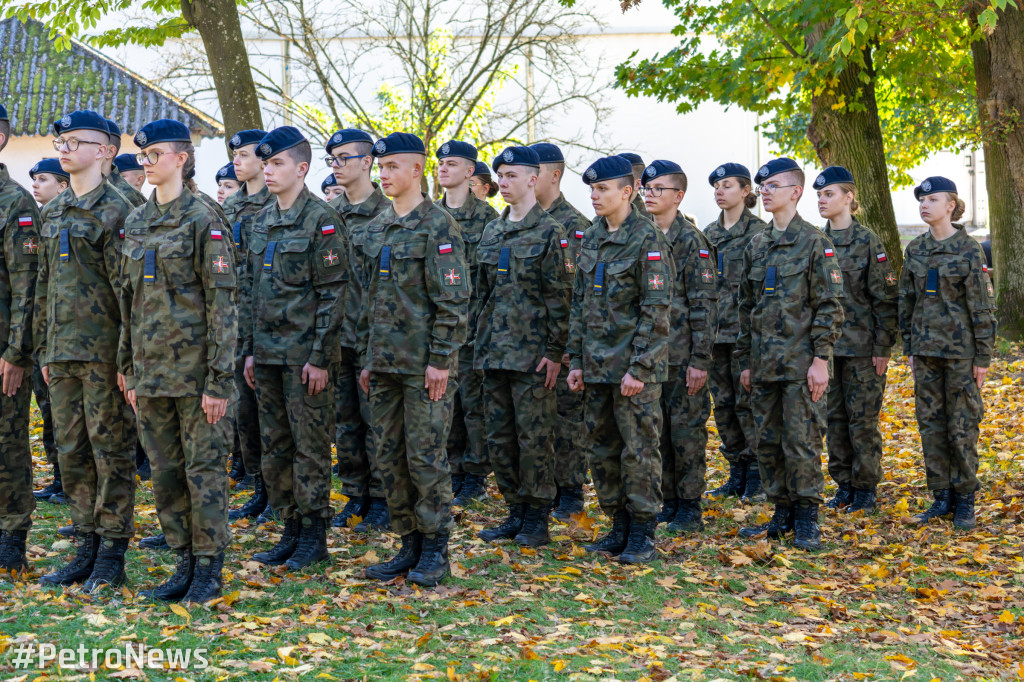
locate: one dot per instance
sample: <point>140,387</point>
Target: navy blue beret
<point>608,168</point>
<point>126,162</point>
<point>833,175</point>
<point>227,172</point>
<point>634,159</point>
<point>774,167</point>
<point>934,185</point>
<point>244,138</point>
<point>329,181</point>
<point>81,120</point>
<point>457,148</point>
<point>3,113</point>
<point>346,135</point>
<point>279,140</point>
<point>516,156</point>
<point>399,143</point>
<point>482,169</point>
<point>51,166</point>
<point>728,170</point>
<point>113,128</point>
<point>659,168</point>
<point>548,153</point>
<point>162,130</point>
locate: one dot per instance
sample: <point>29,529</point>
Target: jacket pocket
<point>407,259</point>
<point>177,263</point>
<point>293,261</point>
<point>621,281</point>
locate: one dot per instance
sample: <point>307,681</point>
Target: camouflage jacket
<point>572,221</point>
<point>640,206</point>
<point>472,217</point>
<point>620,303</point>
<point>125,188</point>
<point>790,308</point>
<point>77,313</point>
<point>19,261</point>
<point>416,300</point>
<point>524,286</point>
<point>693,319</point>
<point>871,297</point>
<point>947,304</point>
<point>178,301</point>
<point>357,217</point>
<point>240,210</point>
<point>295,275</point>
<point>730,244</point>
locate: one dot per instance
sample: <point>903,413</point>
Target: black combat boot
<point>473,488</point>
<point>56,486</point>
<point>808,534</point>
<point>67,531</point>
<point>177,585</point>
<point>142,466</point>
<point>863,500</point>
<point>12,550</point>
<point>942,506</point>
<point>79,568</point>
<point>735,484</point>
<point>401,563</point>
<point>108,568</point>
<point>377,518</point>
<point>356,506</point>
<point>668,511</point>
<point>457,480</point>
<point>256,503</point>
<point>269,514</point>
<point>534,531</point>
<point>570,502</point>
<point>312,545</point>
<point>237,471</point>
<point>507,529</point>
<point>157,542</point>
<point>640,547</point>
<point>207,581</point>
<point>285,547</point>
<point>433,566</point>
<point>963,515</point>
<point>688,518</point>
<point>615,540</point>
<point>781,523</point>
<point>843,497</point>
<point>753,491</point>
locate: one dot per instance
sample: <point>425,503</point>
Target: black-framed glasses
<point>770,188</point>
<point>71,143</point>
<point>340,161</point>
<point>150,158</point>
<point>656,191</point>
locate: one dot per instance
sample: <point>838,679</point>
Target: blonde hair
<point>958,210</point>
<point>851,189</point>
<point>188,171</point>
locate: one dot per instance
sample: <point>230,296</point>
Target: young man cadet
<point>19,250</point>
<point>130,170</point>
<point>790,317</point>
<point>467,451</point>
<point>523,288</point>
<point>350,158</point>
<point>413,323</point>
<point>571,462</point>
<point>296,277</point>
<point>693,321</point>
<point>618,350</point>
<point>77,324</point>
<point>637,166</point>
<point>111,172</point>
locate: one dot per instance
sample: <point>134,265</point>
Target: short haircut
<point>638,171</point>
<point>555,166</point>
<point>678,180</point>
<point>5,130</point>
<point>362,147</point>
<point>115,140</point>
<point>797,175</point>
<point>301,153</point>
<point>624,181</point>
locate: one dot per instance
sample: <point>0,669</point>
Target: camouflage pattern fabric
<point>684,439</point>
<point>125,188</point>
<point>789,432</point>
<point>853,437</point>
<point>42,394</point>
<point>729,244</point>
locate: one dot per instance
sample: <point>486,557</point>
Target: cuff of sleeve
<point>575,362</point>
<point>318,359</point>
<point>982,360</point>
<point>881,351</point>
<point>439,361</point>
<point>219,389</point>
<point>129,382</point>
<point>13,357</point>
<point>701,363</point>
<point>554,354</point>
<point>640,373</point>
<point>823,350</point>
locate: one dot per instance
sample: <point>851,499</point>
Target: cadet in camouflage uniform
<point>467,450</point>
<point>227,182</point>
<point>637,166</point>
<point>296,277</point>
<point>523,286</point>
<point>693,321</point>
<point>77,323</point>
<point>178,291</point>
<point>130,170</point>
<point>331,189</point>
<point>111,171</point>
<point>730,234</point>
<point>790,317</point>
<point>19,221</point>
<point>947,319</point>
<point>861,356</point>
<point>361,201</point>
<point>618,350</point>
<point>413,322</point>
<point>570,458</point>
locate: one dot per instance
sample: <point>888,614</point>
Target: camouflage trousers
<point>570,457</point>
<point>42,393</point>
<point>684,438</point>
<point>190,484</point>
<point>789,432</point>
<point>410,431</point>
<point>467,440</point>
<point>733,416</point>
<point>521,416</point>
<point>16,500</point>
<point>853,437</point>
<point>245,422</point>
<point>949,410</point>
<point>353,438</point>
<point>623,435</point>
<point>295,430</point>
<point>95,432</point>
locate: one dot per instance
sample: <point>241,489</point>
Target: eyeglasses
<point>770,188</point>
<point>656,191</point>
<point>478,184</point>
<point>150,158</point>
<point>340,161</point>
<point>71,143</point>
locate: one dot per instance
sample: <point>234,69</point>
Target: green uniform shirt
<point>573,222</point>
<point>472,217</point>
<point>357,217</point>
<point>524,285</point>
<point>178,301</point>
<point>693,319</point>
<point>947,304</point>
<point>789,308</point>
<point>730,244</point>
<point>871,297</point>
<point>416,302</point>
<point>19,251</point>
<point>620,303</point>
<point>240,210</point>
<point>125,188</point>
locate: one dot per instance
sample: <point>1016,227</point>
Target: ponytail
<point>188,171</point>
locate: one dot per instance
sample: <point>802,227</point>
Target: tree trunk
<point>221,31</point>
<point>999,83</point>
<point>851,136</point>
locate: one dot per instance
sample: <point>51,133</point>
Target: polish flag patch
<point>829,253</point>
<point>984,267</point>
<point>444,248</point>
<point>579,234</point>
<point>654,255</point>
<point>327,229</point>
<point>25,221</point>
<point>882,258</point>
<point>120,233</point>
<point>216,234</point>
<point>564,243</point>
<point>704,253</point>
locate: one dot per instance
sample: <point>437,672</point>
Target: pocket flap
<point>179,248</point>
<point>86,231</point>
<point>258,242</point>
<point>293,245</point>
<point>793,267</point>
<point>489,256</point>
<point>528,250</point>
<point>409,250</point>
<point>954,269</point>
<point>588,259</point>
<point>133,250</point>
<point>617,267</point>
